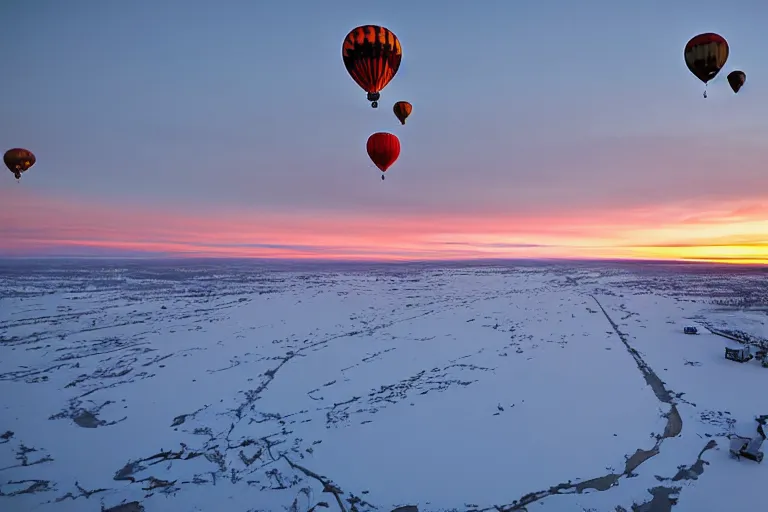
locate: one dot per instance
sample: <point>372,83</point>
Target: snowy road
<point>229,387</point>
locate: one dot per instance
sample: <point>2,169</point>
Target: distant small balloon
<point>736,80</point>
<point>18,161</point>
<point>402,110</point>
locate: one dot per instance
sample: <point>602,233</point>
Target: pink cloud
<point>32,223</point>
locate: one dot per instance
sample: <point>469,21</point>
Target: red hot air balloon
<point>384,149</point>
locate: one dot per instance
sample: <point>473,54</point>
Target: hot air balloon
<point>383,148</point>
<point>18,160</point>
<point>736,80</point>
<point>372,57</point>
<point>402,110</point>
<point>705,55</point>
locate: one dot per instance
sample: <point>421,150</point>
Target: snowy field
<point>214,387</point>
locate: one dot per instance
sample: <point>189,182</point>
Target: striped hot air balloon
<point>372,56</point>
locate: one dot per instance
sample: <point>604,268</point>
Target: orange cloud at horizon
<point>33,224</point>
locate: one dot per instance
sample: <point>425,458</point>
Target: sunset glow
<point>33,225</point>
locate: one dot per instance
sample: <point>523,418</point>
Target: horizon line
<point>728,262</point>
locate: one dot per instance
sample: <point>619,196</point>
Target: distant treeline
<point>752,301</point>
<point>745,337</point>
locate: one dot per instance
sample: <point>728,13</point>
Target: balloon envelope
<point>384,149</point>
<point>705,55</point>
<point>736,79</point>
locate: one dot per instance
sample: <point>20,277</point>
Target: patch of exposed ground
<point>665,497</point>
<point>133,506</point>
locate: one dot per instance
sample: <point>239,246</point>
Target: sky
<point>540,128</point>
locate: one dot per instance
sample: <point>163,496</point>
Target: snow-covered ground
<point>228,387</point>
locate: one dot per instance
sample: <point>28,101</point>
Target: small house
<point>747,447</point>
<point>689,329</point>
<point>738,353</point>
